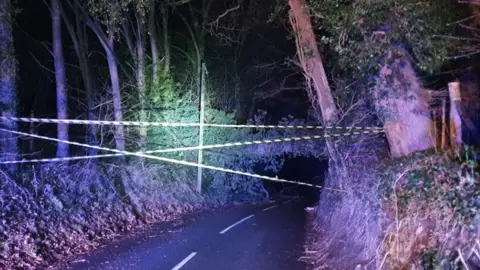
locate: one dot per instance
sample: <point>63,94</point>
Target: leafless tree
<point>59,62</point>
<point>107,39</point>
<point>78,34</point>
<point>8,73</point>
<point>152,31</point>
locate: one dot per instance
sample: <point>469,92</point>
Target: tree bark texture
<point>343,216</point>
<point>402,106</point>
<point>78,35</point>
<point>152,32</point>
<point>166,40</point>
<point>117,98</point>
<point>455,118</point>
<point>311,60</point>
<point>60,79</point>
<point>140,48</point>
<point>108,45</point>
<point>8,73</point>
<point>319,91</point>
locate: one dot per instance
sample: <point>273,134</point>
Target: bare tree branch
<point>224,14</point>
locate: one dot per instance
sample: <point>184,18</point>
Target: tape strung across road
<point>171,124</point>
<point>191,148</point>
<point>175,161</point>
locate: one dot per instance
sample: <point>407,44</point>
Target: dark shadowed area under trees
<point>369,109</point>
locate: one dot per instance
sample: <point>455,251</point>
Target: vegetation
<point>430,210</point>
<point>356,34</point>
<point>418,210</point>
<point>424,207</point>
<point>375,51</point>
<point>55,210</point>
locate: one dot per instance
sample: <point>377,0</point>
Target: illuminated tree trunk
<point>135,40</point>
<point>62,103</point>
<point>166,42</point>
<point>152,32</point>
<point>78,35</point>
<point>311,60</point>
<point>117,98</point>
<point>141,76</point>
<point>319,90</point>
<point>107,42</point>
<point>402,105</point>
<point>8,73</point>
<point>88,82</point>
<point>331,214</point>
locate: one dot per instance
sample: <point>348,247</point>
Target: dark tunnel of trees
<point>305,169</point>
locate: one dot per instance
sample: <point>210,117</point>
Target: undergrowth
<point>415,212</point>
<point>430,204</point>
<point>51,211</point>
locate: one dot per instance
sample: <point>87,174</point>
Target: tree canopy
<point>355,34</point>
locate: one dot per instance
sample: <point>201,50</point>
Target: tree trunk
<point>319,91</point>
<point>62,103</point>
<point>8,73</point>
<point>341,207</point>
<point>311,60</point>
<point>402,106</point>
<point>166,42</point>
<point>108,45</point>
<point>117,98</point>
<point>88,82</point>
<point>199,32</point>
<point>79,39</point>
<point>152,31</point>
<point>141,77</point>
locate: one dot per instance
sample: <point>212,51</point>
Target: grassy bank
<point>417,212</point>
<point>51,211</point>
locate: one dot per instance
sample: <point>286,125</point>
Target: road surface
<point>249,237</point>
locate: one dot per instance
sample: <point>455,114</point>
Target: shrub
<point>430,205</point>
<point>416,212</point>
<point>55,210</point>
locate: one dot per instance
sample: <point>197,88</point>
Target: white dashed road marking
<point>268,208</point>
<point>287,202</point>
<point>184,261</point>
<point>235,224</point>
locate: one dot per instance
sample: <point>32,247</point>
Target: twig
<point>471,2</point>
<point>40,64</point>
<point>396,206</point>
<point>462,20</point>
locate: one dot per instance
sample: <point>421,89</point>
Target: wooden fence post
<point>455,120</point>
<point>444,125</point>
<point>433,129</point>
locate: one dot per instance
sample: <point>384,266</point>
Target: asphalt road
<point>265,236</point>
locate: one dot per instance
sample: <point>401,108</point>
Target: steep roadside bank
<point>63,210</point>
<point>427,208</point>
